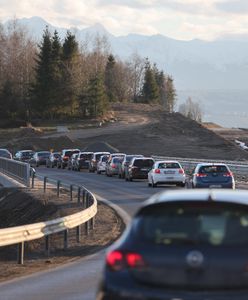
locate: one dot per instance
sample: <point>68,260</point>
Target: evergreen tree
<point>70,63</point>
<point>97,99</point>
<point>56,66</point>
<point>170,95</point>
<point>42,91</point>
<point>8,101</point>
<point>150,91</point>
<point>110,78</point>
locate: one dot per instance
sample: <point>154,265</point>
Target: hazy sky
<point>180,19</point>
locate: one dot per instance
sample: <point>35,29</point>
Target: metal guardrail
<point>239,169</point>
<point>22,234</point>
<point>17,170</point>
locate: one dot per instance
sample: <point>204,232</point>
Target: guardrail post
<point>79,194</point>
<point>65,239</point>
<point>86,227</point>
<point>83,198</point>
<point>44,185</point>
<point>20,253</point>
<point>33,176</point>
<point>78,233</point>
<point>58,186</point>
<point>47,245</point>
<point>71,191</point>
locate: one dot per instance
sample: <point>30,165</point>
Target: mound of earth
<point>139,128</point>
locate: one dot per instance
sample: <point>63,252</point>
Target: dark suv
<point>123,167</point>
<point>139,168</point>
<point>187,245</point>
<point>65,156</point>
<point>83,160</point>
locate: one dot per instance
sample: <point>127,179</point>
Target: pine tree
<point>70,63</point>
<point>98,103</point>
<point>56,66</point>
<point>110,78</point>
<point>170,95</point>
<point>42,88</point>
<point>8,101</point>
<point>150,91</point>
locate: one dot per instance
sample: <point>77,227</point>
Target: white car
<point>166,172</point>
<point>101,164</point>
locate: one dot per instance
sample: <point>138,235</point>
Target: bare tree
<point>191,109</point>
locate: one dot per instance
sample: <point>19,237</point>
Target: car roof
<point>142,158</point>
<point>218,195</point>
<point>211,164</point>
<point>167,161</point>
<point>102,152</point>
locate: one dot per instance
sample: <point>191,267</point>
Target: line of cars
<point>132,166</point>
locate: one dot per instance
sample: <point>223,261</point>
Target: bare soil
<point>138,128</point>
<point>18,207</point>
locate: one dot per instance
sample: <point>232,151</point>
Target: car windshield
<point>197,223</point>
<point>169,165</point>
<point>146,163</point>
<point>26,153</point>
<point>213,169</point>
<point>117,159</point>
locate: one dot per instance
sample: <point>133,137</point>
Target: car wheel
<point>98,172</point>
<point>149,184</point>
<point>153,184</point>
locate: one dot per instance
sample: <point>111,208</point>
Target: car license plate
<point>169,178</point>
<point>215,186</point>
<point>169,172</point>
<point>143,170</point>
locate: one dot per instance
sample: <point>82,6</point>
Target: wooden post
<point>79,194</point>
<point>44,185</point>
<point>71,191</point>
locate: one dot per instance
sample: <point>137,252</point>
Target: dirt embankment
<point>138,128</point>
<point>19,207</point>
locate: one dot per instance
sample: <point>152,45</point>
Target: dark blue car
<point>187,245</point>
<point>212,175</point>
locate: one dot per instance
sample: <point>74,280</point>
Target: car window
<point>147,163</point>
<point>117,159</point>
<point>203,223</point>
<point>43,154</point>
<point>104,158</point>
<point>169,165</point>
<point>213,169</point>
<point>68,153</point>
<point>4,153</point>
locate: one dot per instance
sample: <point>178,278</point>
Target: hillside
<point>137,128</point>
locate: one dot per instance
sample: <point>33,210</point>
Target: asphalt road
<point>79,280</point>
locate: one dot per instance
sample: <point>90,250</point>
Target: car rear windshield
<point>44,154</point>
<point>117,159</point>
<point>56,155</point>
<point>169,165</point>
<point>196,223</point>
<point>4,153</point>
<point>27,153</point>
<point>104,158</point>
<point>68,153</point>
<point>213,169</point>
<point>147,163</point>
<point>85,156</point>
<point>98,156</point>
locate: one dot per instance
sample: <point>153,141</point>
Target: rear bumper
<point>145,293</point>
<point>228,185</point>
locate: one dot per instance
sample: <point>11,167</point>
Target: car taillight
<point>65,157</point>
<point>157,171</point>
<point>116,260</point>
<point>228,174</point>
<point>181,171</point>
<point>201,175</point>
<point>113,166</point>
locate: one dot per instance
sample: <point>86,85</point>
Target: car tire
<point>154,184</point>
<point>149,184</point>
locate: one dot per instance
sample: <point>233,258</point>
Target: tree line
<point>58,78</point>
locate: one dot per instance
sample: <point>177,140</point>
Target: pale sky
<point>179,19</point>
